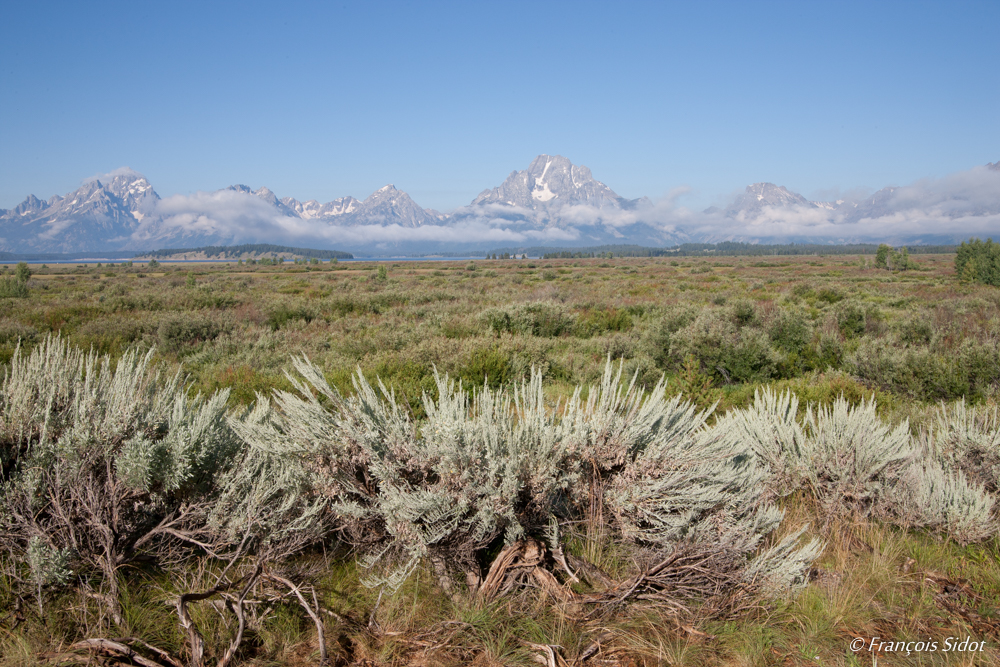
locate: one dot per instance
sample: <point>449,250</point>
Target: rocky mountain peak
<point>551,179</point>
<point>759,196</point>
<point>388,203</point>
<point>31,204</point>
<point>130,187</point>
<point>387,193</point>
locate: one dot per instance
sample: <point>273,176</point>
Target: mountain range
<point>552,202</point>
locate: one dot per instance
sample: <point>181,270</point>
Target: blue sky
<point>444,99</point>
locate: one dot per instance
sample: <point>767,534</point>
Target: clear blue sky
<point>444,99</point>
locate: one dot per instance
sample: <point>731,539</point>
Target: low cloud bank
<point>933,210</point>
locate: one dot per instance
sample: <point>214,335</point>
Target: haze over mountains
<point>552,202</point>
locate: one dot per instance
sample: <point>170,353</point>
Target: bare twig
<point>313,613</point>
<point>119,647</point>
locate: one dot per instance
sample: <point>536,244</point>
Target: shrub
<point>967,438</point>
<point>770,428</point>
<point>978,261</point>
<point>178,332</point>
<point>674,484</point>
<point>829,295</point>
<point>744,313</point>
<point>487,365</point>
<point>598,321</point>
<point>12,288</point>
<point>947,502</point>
<point>854,459</point>
<point>503,467</point>
<point>22,272</point>
<point>280,316</point>
<point>900,261</point>
<point>535,319</point>
<point>12,332</point>
<point>972,370</point>
<point>98,465</point>
<point>882,256</point>
<point>789,331</point>
<point>851,320</point>
<point>728,354</point>
<point>916,329</point>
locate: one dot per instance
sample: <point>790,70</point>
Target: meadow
<point>913,352</point>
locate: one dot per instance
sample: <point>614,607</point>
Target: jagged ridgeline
<point>247,251</point>
<point>112,472</point>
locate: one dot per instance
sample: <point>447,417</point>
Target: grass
<point>822,327</point>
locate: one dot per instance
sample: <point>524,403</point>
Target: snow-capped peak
<point>548,180</point>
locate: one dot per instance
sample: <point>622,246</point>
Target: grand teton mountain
<point>552,202</point>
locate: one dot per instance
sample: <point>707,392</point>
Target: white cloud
<point>955,207</point>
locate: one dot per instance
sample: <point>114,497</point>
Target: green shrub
<point>280,317</point>
<point>178,332</point>
<point>978,261</point>
<point>790,331</point>
<point>13,332</point>
<point>728,354</point>
<point>971,371</point>
<point>916,329</point>
<point>882,256</point>
<point>12,288</point>
<point>533,319</point>
<point>602,320</point>
<point>852,319</point>
<point>486,365</point>
<point>112,334</point>
<point>900,261</point>
<point>22,272</point>
<point>829,295</point>
<point>662,330</point>
<point>744,313</point>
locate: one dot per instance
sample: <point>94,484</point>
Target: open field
<point>915,335</point>
<point>717,329</point>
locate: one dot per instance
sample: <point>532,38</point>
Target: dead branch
<point>313,613</point>
<point>119,647</point>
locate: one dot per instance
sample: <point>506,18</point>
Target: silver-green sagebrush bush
<point>947,502</point>
<point>476,469</point>
<point>503,465</point>
<point>853,462</point>
<point>671,483</point>
<point>100,464</point>
<point>854,458</point>
<point>967,438</point>
<point>771,428</point>
<point>952,487</point>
